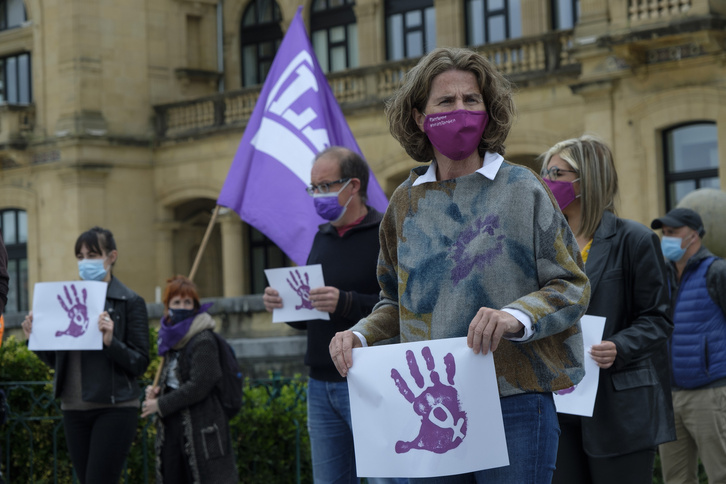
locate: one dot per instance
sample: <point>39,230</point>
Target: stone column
<point>371,32</point>
<point>232,261</point>
<point>450,31</point>
<point>165,229</point>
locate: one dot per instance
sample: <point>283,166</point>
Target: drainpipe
<point>220,43</point>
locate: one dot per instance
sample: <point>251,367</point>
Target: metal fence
<point>34,447</point>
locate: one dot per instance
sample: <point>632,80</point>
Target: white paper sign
<point>581,399</point>
<point>425,409</point>
<point>65,315</point>
<point>294,284</point>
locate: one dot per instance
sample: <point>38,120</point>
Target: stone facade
<point>129,129</point>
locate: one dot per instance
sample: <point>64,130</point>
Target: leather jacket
<point>633,409</point>
<point>109,375</point>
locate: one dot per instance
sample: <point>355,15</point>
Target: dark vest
<point>698,344</point>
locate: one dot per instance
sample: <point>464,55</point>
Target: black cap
<point>678,217</point>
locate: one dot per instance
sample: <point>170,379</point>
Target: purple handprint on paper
<point>301,288</point>
<point>565,391</point>
<point>443,422</point>
<point>77,313</point>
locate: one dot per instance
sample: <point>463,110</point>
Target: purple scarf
<point>171,335</point>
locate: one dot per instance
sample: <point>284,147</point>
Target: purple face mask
<point>327,206</point>
<point>563,191</point>
<point>456,134</point>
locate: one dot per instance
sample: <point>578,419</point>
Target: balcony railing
<point>657,9</point>
<point>519,59</point>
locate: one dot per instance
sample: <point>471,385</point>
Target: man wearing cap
<point>697,281</point>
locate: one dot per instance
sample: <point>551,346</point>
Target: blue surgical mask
<point>327,206</point>
<point>92,269</point>
<point>671,247</point>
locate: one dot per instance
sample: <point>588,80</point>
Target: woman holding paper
<point>633,411</point>
<point>193,443</point>
<point>98,390</point>
<point>472,245</point>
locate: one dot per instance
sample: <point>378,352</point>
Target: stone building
<point>127,114</point>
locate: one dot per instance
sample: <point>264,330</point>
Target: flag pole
<point>192,273</point>
<point>203,246</point>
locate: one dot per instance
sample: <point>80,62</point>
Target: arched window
<point>490,21</point>
<point>260,36</point>
<point>12,14</point>
<point>334,34</point>
<point>691,160</point>
<point>14,228</point>
<point>410,28</point>
<point>565,14</point>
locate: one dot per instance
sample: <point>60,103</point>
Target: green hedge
<point>268,433</point>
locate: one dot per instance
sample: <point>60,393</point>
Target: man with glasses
<point>347,248</point>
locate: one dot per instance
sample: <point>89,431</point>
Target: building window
<point>261,35</point>
<point>334,34</point>
<point>15,85</point>
<point>14,228</point>
<point>410,28</point>
<point>490,21</point>
<point>565,14</point>
<point>691,160</point>
<point>264,254</point>
<point>12,14</point>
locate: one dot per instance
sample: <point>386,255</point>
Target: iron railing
<point>34,448</point>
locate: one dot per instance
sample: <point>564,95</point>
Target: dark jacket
<point>109,375</point>
<point>349,264</point>
<point>210,454</point>
<point>633,409</point>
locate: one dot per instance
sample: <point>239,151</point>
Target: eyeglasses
<point>554,172</point>
<point>324,187</point>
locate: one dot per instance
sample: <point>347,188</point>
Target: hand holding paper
<point>424,409</point>
<point>62,313</point>
<point>289,294</point>
<point>604,354</point>
<point>341,350</point>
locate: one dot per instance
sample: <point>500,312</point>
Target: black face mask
<point>179,315</point>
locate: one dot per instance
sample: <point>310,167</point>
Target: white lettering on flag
<point>275,139</point>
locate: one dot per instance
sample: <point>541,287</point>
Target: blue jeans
<point>532,431</point>
<point>331,435</point>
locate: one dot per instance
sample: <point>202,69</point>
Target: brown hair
<point>179,286</point>
<point>416,89</point>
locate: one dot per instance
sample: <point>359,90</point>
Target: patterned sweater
<point>451,247</point>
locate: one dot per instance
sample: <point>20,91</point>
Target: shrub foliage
<point>269,434</point>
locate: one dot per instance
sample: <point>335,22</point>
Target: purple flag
<point>296,117</point>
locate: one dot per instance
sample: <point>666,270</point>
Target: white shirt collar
<point>490,168</point>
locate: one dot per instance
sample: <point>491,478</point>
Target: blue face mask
<point>671,247</point>
<point>92,269</point>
